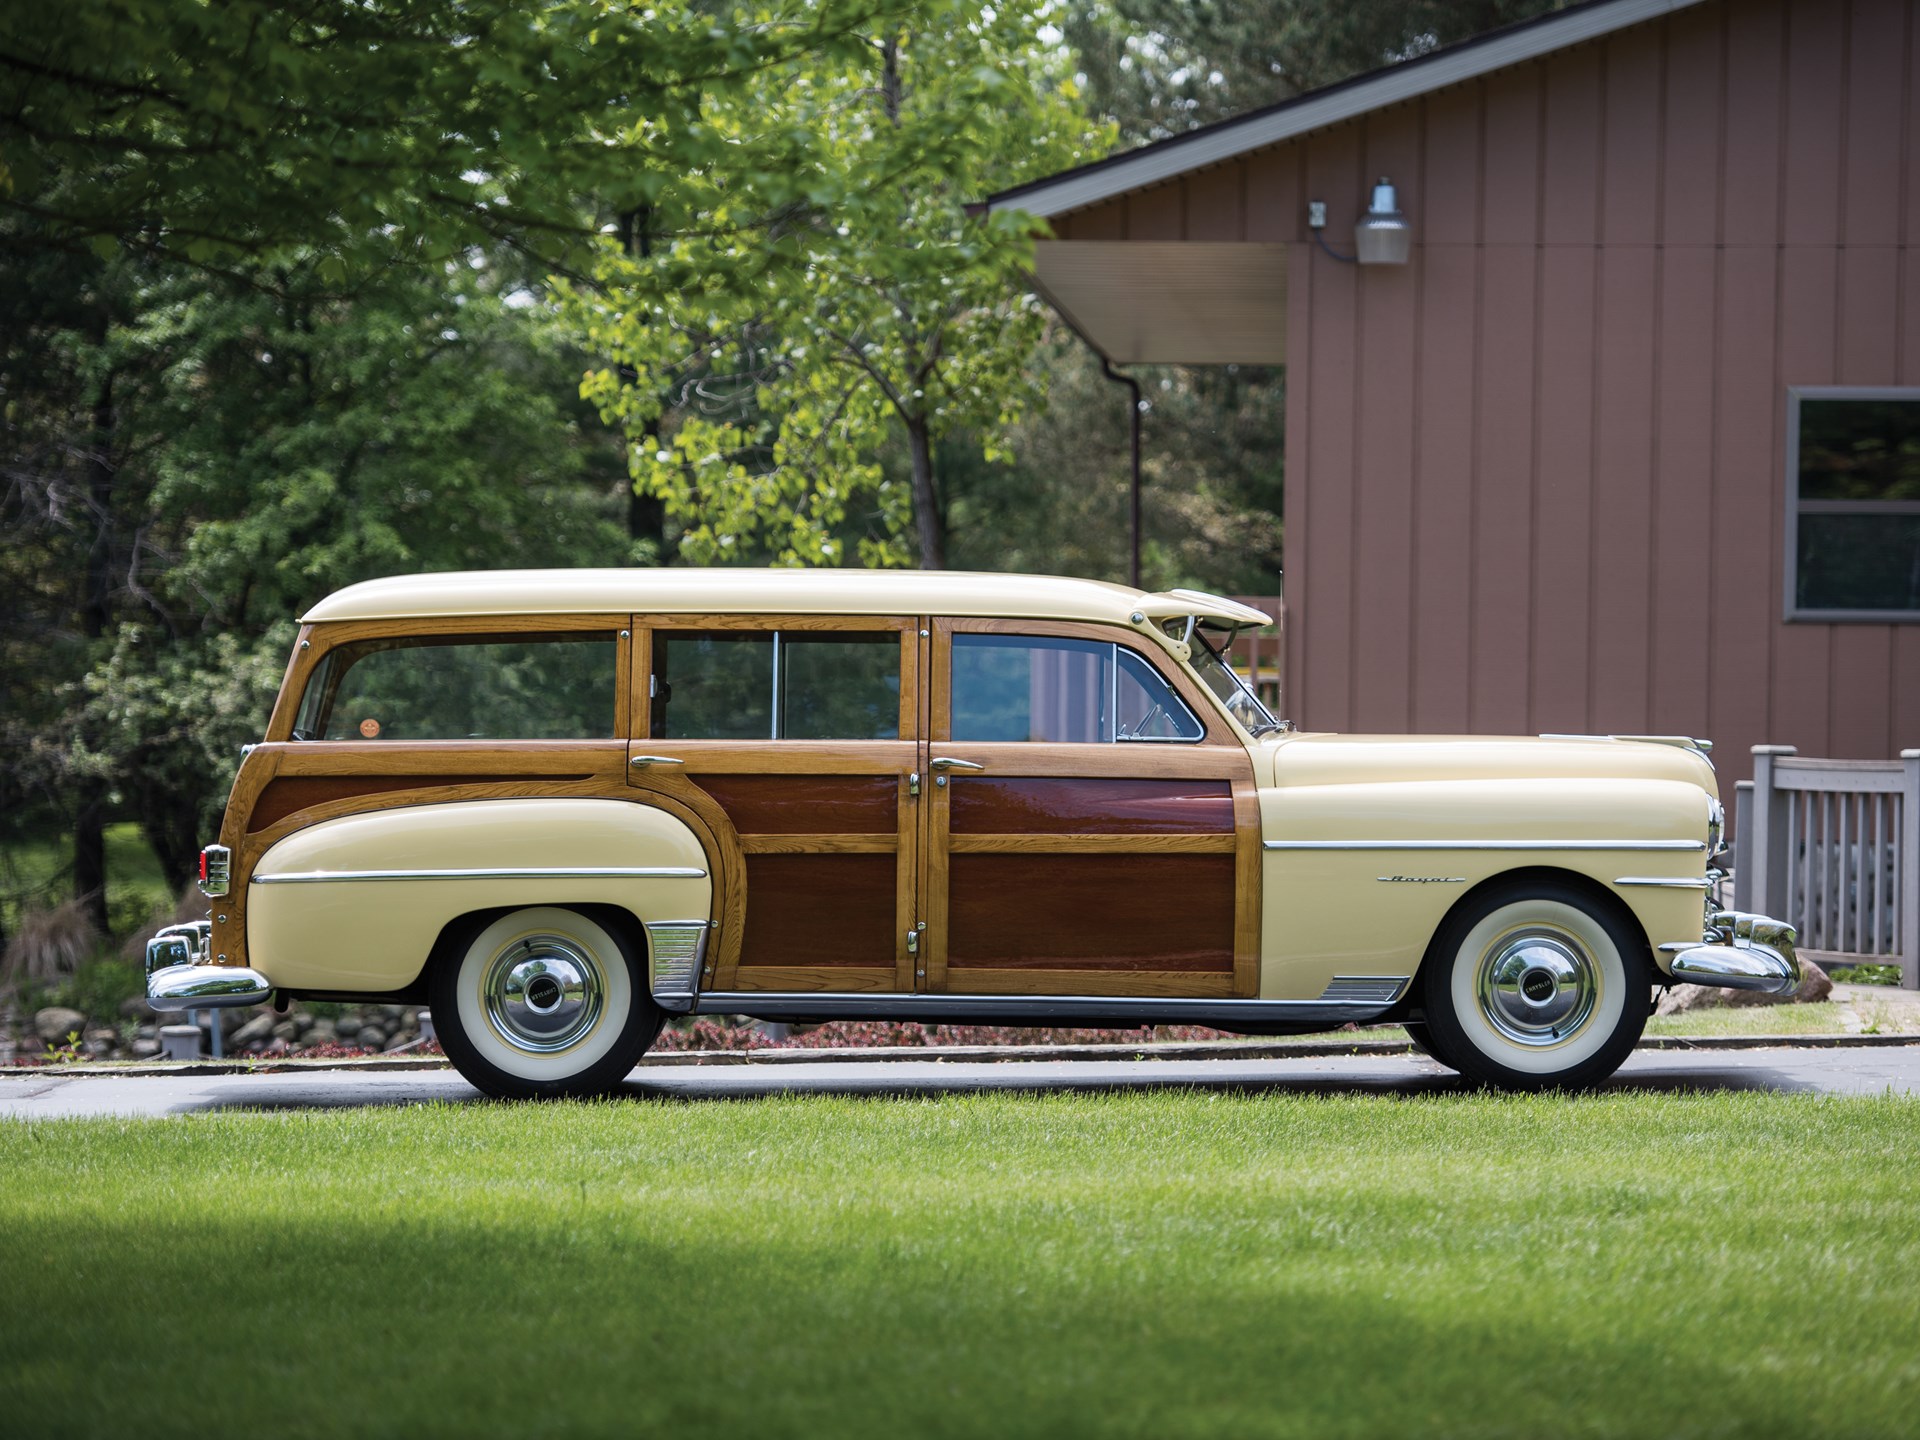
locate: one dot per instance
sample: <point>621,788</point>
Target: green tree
<point>268,447</point>
<point>1156,68</point>
<point>369,131</point>
<point>1211,473</point>
<point>760,376</point>
<point>241,361</point>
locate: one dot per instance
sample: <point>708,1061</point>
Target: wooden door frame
<point>1220,754</point>
<point>765,756</point>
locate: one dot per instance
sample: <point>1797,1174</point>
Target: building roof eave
<point>1211,145</point>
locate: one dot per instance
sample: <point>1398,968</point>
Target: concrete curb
<point>951,1054</point>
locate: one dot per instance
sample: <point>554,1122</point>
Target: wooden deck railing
<point>1833,848</point>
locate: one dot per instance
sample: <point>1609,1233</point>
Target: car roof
<point>674,590</point>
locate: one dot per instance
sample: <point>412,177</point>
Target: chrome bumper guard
<point>179,977</point>
<point>1740,951</point>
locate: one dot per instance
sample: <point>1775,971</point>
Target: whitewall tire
<point>1537,984</point>
<point>544,1001</point>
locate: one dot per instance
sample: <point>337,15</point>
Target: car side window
<point>1050,689</point>
<point>775,684</point>
<point>488,687</point>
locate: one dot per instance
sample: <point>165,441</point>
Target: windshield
<point>1221,678</point>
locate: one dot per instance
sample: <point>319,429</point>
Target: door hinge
<point>913,783</point>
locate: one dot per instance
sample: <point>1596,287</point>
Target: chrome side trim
<point>1486,845</point>
<point>1663,882</point>
<point>1037,1009</point>
<point>675,950</point>
<point>576,872</point>
<point>206,987</point>
<point>1365,989</point>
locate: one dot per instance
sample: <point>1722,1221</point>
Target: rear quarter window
<point>550,687</point>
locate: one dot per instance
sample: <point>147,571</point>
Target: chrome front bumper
<point>179,977</point>
<point>1740,951</point>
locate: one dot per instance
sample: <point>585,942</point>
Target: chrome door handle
<point>947,762</point>
<point>640,761</point>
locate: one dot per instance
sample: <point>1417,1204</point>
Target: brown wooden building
<point>1631,442</point>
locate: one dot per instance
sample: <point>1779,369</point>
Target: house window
<point>1853,504</point>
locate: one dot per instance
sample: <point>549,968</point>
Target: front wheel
<point>1535,985</point>
<point>543,1002</point>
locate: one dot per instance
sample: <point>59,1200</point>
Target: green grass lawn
<point>1149,1264</point>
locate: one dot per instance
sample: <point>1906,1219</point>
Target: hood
<point>1330,759</point>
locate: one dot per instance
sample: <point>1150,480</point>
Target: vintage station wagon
<point>563,806</point>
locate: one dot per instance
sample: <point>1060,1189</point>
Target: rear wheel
<point>543,1002</point>
<point>1535,985</point>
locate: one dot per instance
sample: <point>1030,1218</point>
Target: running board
<point>1088,1010</point>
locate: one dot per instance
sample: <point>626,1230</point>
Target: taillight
<point>216,870</point>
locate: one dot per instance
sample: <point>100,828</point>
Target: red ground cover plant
<point>708,1034</point>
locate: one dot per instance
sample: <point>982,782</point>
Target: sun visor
<point>1213,610</point>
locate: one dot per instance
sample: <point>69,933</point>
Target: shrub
<point>1865,974</point>
<point>49,946</point>
<point>100,986</point>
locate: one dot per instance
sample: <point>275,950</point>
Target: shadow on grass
<point>691,1087</point>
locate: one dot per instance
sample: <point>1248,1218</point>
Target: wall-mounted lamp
<point>1380,237</point>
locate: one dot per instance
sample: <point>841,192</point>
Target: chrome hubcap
<point>1537,987</point>
<point>542,993</point>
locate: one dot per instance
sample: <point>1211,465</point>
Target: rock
<point>145,1049</point>
<point>55,1022</point>
<point>102,1041</point>
<point>371,1037</point>
<point>391,1012</point>
<point>285,1030</point>
<point>302,1022</point>
<point>1814,985</point>
<point>320,1033</point>
<point>255,1031</point>
<point>399,1039</point>
<point>135,1007</point>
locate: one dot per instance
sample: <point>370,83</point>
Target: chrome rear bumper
<point>179,977</point>
<point>1740,952</point>
<point>206,987</point>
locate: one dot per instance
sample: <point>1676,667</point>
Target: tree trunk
<point>90,852</point>
<point>96,606</point>
<point>174,835</point>
<point>646,514</point>
<point>928,521</point>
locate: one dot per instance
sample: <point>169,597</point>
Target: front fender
<point>1357,877</point>
<point>355,904</point>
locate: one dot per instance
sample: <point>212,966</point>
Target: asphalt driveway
<point>1839,1071</point>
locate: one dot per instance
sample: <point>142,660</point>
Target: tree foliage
<point>370,131</point>
<point>272,320</point>
<point>1160,67</point>
<point>760,376</point>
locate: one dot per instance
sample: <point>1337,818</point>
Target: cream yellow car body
<point>1366,845</point>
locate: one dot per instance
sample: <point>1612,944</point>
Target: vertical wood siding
<point>1536,478</point>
